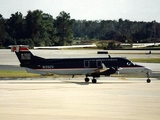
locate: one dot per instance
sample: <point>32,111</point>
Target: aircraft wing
<point>104,70</point>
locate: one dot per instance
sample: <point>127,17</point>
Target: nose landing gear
<point>148,80</point>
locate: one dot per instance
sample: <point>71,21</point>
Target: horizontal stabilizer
<point>17,48</point>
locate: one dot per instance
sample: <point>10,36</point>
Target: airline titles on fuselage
<point>112,59</point>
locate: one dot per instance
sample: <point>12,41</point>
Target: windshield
<point>129,63</point>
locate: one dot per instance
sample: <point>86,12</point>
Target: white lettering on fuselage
<point>47,66</point>
<point>103,59</point>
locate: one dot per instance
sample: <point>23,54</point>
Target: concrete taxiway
<point>64,99</point>
<point>9,58</point>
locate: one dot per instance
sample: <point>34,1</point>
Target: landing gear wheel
<point>86,80</point>
<point>94,80</point>
<point>148,80</point>
<point>148,76</point>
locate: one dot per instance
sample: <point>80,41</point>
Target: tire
<point>148,81</point>
<point>86,80</point>
<point>94,81</point>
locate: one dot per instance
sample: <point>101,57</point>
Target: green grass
<point>146,60</point>
<point>15,74</point>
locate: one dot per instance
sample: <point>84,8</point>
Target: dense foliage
<point>36,29</point>
<point>41,29</point>
<point>121,30</point>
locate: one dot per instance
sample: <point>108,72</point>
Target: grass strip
<point>146,60</point>
<point>14,74</point>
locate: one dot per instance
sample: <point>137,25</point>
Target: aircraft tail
<point>23,54</point>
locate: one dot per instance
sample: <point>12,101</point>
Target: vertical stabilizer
<point>23,54</point>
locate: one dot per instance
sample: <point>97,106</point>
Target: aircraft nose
<point>145,69</point>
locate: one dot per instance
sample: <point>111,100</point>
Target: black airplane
<point>90,67</point>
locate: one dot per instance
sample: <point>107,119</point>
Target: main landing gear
<point>93,80</point>
<point>86,80</point>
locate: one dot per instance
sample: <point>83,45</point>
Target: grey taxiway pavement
<point>9,58</point>
<point>64,99</point>
<point>111,98</point>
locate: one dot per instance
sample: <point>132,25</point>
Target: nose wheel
<point>148,80</point>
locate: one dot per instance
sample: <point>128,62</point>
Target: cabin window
<point>99,63</point>
<point>25,56</point>
<point>86,63</point>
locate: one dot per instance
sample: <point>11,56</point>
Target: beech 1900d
<point>90,67</point>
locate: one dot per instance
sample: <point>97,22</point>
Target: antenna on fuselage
<point>109,56</point>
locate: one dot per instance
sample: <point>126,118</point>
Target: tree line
<point>41,29</point>
<point>121,30</point>
<point>36,29</point>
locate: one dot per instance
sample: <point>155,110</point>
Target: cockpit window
<point>129,63</point>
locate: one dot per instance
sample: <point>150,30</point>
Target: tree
<point>64,29</point>
<point>40,28</point>
<point>111,45</point>
<point>15,28</point>
<point>2,30</point>
<point>48,29</point>
<point>33,26</point>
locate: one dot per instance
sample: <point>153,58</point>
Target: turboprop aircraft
<point>90,66</point>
